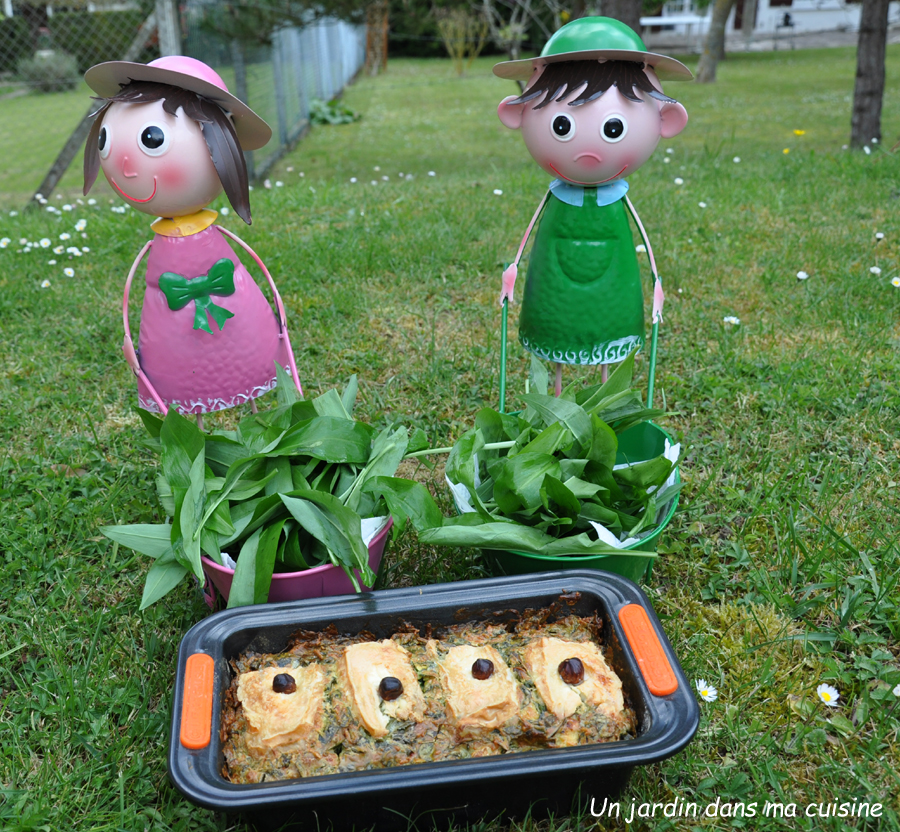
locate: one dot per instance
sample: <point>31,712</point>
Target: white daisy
<point>736,160</point>
<point>432,173</point>
<point>58,250</point>
<point>702,204</point>
<point>225,211</point>
<point>92,201</point>
<point>4,242</point>
<point>707,692</point>
<point>828,695</point>
<point>279,184</point>
<point>641,249</point>
<point>731,320</point>
<point>385,178</point>
<point>896,691</point>
<point>498,192</point>
<point>353,179</point>
<point>67,207</point>
<point>81,225</point>
<point>895,281</point>
<point>51,262</point>
<point>679,180</point>
<point>45,284</point>
<point>376,168</point>
<point>802,275</point>
<point>69,272</point>
<point>875,270</point>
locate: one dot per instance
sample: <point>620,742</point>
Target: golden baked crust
<point>363,668</point>
<point>601,688</point>
<point>281,720</point>
<point>443,716</point>
<point>477,703</point>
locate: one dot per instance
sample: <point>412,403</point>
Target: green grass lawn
<point>780,570</point>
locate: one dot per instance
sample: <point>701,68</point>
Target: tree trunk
<point>714,45</point>
<point>628,11</point>
<point>868,93</point>
<point>749,19</point>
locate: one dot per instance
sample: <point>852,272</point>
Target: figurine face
<point>158,162</point>
<point>594,143</point>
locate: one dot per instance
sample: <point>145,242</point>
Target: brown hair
<point>559,80</point>
<point>224,147</point>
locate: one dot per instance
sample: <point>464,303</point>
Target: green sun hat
<point>591,39</point>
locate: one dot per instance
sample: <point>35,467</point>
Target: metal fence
<point>280,81</point>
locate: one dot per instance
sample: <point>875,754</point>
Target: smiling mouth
<point>576,182</point>
<point>132,198</point>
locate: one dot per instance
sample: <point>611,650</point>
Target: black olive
<point>284,683</point>
<point>572,671</point>
<point>482,669</point>
<point>390,688</point>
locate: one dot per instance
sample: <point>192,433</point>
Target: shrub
<point>15,42</point>
<point>50,71</point>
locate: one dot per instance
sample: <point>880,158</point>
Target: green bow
<point>180,291</point>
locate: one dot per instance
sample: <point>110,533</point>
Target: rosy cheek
<point>173,176</point>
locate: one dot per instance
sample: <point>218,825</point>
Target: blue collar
<point>574,194</point>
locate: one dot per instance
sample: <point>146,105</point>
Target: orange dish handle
<point>647,649</point>
<point>197,701</point>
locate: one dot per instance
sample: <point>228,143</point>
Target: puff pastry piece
<point>601,688</point>
<point>282,720</point>
<point>364,666</point>
<point>477,703</point>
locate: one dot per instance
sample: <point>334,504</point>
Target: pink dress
<point>192,369</point>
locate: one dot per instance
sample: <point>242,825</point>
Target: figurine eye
<point>103,142</point>
<point>153,140</point>
<point>563,127</point>
<point>614,129</point>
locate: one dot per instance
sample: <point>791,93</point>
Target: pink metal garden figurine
<point>593,112</point>
<point>169,137</point>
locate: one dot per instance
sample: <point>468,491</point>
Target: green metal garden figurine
<point>592,113</point>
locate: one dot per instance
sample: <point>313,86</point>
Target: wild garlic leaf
<point>164,575</point>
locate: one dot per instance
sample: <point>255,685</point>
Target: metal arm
<point>658,299</point>
<point>282,318</point>
<point>128,344</point>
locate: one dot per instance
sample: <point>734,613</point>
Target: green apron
<point>582,302</point>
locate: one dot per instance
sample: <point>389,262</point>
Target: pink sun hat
<point>108,78</point>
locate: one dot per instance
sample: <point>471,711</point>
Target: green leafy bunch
<point>331,112</point>
<point>536,481</point>
<point>286,490</point>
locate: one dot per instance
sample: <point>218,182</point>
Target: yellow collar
<point>185,226</point>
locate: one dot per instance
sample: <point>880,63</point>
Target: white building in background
<point>773,17</point>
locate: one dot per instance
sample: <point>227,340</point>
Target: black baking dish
<point>459,790</point>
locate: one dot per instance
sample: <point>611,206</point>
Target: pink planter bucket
<point>294,586</point>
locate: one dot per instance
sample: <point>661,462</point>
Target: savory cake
<point>333,703</point>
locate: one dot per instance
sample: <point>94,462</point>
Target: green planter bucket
<point>643,441</point>
<point>640,442</point>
